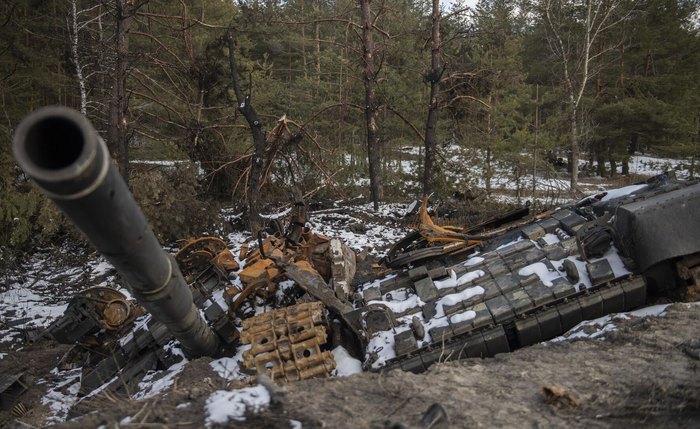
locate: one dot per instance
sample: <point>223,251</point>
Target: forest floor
<point>644,372</point>
<point>639,368</point>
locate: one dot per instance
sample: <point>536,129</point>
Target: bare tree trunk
<point>371,107</point>
<point>696,139</point>
<point>73,30</point>
<point>117,131</point>
<point>534,151</point>
<point>317,47</point>
<point>488,171</point>
<point>434,77</point>
<point>600,159</point>
<point>258,159</point>
<point>303,43</point>
<point>575,150</point>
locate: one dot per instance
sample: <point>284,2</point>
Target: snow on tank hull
<point>531,284</point>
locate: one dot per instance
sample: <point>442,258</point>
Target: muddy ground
<point>642,375</point>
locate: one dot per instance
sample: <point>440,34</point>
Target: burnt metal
<point>660,227</point>
<point>405,342</point>
<point>12,386</point>
<point>286,343</point>
<point>600,272</point>
<point>515,310</point>
<point>425,289</point>
<point>571,271</point>
<point>61,151</point>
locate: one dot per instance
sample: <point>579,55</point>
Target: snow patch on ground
<point>229,368</point>
<point>598,328</point>
<point>345,364</point>
<point>61,396</point>
<point>224,405</point>
<point>157,382</point>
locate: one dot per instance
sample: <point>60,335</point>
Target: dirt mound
<point>640,372</point>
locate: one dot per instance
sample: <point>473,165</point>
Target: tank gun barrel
<point>59,149</point>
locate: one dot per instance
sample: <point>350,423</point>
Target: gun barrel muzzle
<point>62,153</point>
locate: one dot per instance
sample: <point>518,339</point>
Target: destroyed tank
<point>62,153</point>
<point>454,293</point>
<point>477,293</point>
<point>188,297</point>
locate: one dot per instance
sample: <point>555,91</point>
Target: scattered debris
<point>559,396</point>
<point>12,386</point>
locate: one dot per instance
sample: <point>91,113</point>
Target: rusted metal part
<point>430,240</point>
<point>689,270</point>
<point>117,312</point>
<point>196,255</point>
<point>433,233</point>
<point>310,253</point>
<point>312,282</point>
<point>98,310</point>
<point>246,294</point>
<point>243,253</point>
<point>19,410</point>
<point>286,343</point>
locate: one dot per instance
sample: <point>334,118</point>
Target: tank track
<point>530,284</point>
<point>511,333</point>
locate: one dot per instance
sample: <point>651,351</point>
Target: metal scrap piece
<point>12,386</point>
<point>286,343</point>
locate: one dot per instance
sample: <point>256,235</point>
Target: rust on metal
<point>197,254</point>
<point>689,270</point>
<point>286,343</point>
<point>116,311</point>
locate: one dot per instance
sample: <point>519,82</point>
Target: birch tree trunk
<point>574,49</point>
<point>73,31</point>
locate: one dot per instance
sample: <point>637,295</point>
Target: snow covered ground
<point>34,299</point>
<point>39,292</point>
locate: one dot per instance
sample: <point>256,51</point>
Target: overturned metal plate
<point>286,343</point>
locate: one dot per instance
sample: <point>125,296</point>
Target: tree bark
<point>696,139</point>
<point>433,77</point>
<point>258,159</point>
<point>575,150</point>
<point>118,127</point>
<point>73,30</point>
<point>371,106</point>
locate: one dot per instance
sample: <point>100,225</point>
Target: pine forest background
<point>343,93</point>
